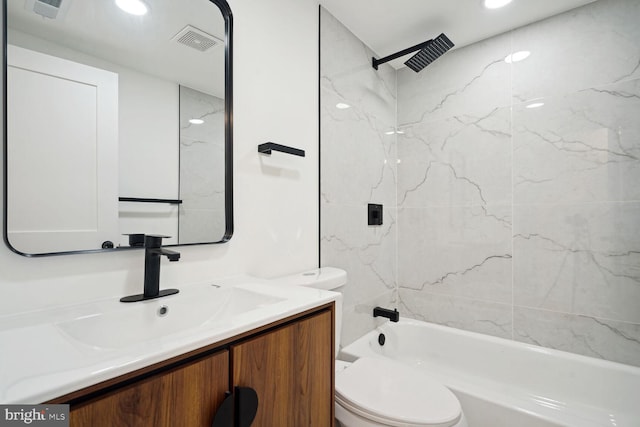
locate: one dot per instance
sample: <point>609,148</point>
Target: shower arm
<point>375,62</point>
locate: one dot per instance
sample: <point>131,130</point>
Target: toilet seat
<point>393,394</point>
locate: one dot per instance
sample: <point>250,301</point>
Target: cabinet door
<point>185,396</point>
<point>291,369</point>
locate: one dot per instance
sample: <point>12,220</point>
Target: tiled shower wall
<point>522,223</point>
<point>202,212</point>
<point>358,166</point>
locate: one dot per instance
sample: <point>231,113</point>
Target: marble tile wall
<point>202,157</point>
<point>358,166</point>
<point>520,222</point>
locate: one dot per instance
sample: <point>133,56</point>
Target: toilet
<point>380,392</point>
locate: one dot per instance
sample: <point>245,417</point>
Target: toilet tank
<point>327,278</point>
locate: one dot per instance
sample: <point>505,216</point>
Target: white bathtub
<point>502,383</point>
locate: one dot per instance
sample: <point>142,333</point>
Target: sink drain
<point>163,311</point>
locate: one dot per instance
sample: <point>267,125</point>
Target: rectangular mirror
<point>117,122</point>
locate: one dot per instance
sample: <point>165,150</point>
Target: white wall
<point>276,206</point>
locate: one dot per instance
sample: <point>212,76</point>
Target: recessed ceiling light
<point>196,121</point>
<point>134,7</point>
<point>535,105</point>
<point>342,105</point>
<point>495,4</point>
<point>517,56</point>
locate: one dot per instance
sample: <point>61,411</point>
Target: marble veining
<point>458,83</point>
<point>554,233</point>
<point>602,338</point>
<point>589,140</point>
<point>367,253</point>
<point>510,187</point>
<point>364,131</point>
<point>581,259</point>
<point>455,251</point>
<point>444,162</point>
<point>202,153</point>
<point>588,47</point>
<point>458,312</point>
<point>440,104</point>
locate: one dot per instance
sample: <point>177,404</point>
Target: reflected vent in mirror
<point>196,39</point>
<point>47,8</point>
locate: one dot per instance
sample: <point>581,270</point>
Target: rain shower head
<point>433,50</point>
<point>429,51</point>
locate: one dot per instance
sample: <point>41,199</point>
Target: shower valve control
<point>374,214</point>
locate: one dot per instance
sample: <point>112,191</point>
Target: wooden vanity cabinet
<point>289,364</point>
<point>291,369</point>
<point>184,396</point>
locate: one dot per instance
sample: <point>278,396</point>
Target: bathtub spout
<point>392,315</point>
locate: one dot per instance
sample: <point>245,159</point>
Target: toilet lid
<point>394,394</point>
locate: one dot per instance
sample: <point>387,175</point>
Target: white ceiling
<point>386,26</point>
<point>100,29</point>
<point>390,26</point>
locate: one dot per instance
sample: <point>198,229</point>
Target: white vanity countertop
<point>50,353</point>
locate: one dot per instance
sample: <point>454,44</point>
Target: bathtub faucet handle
<point>392,315</point>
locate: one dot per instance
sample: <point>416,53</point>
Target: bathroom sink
<point>117,325</point>
<point>94,341</point>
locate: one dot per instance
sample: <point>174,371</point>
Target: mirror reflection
<point>115,123</point>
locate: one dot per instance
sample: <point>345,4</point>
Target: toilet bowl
<point>379,392</point>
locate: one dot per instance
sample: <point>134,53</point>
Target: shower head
<point>433,50</point>
<point>429,51</point>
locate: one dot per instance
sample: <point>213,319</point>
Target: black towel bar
<point>145,200</point>
<point>267,147</point>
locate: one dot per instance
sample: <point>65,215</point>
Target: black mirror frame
<point>228,133</point>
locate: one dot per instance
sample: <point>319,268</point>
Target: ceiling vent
<point>196,39</point>
<point>47,8</point>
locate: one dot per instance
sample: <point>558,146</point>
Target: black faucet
<point>394,315</point>
<point>152,253</point>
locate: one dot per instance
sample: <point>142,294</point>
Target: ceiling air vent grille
<point>47,8</point>
<point>196,39</point>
